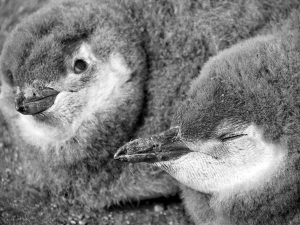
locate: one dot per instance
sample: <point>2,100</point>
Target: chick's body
<point>139,64</point>
<point>235,142</point>
<point>94,110</point>
<point>257,83</point>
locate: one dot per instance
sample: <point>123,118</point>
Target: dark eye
<point>80,66</point>
<point>8,77</point>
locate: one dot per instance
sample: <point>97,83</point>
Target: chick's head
<point>70,71</point>
<point>238,127</point>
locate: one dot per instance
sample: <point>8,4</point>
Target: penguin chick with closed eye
<point>237,137</point>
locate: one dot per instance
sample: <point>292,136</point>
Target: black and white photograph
<point>149,112</point>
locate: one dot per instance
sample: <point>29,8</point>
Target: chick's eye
<point>80,66</point>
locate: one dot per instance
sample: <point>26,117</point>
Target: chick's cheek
<point>7,101</point>
<point>202,176</point>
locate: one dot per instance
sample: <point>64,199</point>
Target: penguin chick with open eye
<point>237,138</point>
<point>73,91</point>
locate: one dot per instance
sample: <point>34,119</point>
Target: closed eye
<point>230,137</point>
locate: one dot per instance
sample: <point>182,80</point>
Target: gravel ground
<point>24,205</point>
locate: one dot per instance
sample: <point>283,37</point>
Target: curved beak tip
<point>119,155</point>
<point>20,108</point>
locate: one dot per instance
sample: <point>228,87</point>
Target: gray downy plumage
<point>236,139</point>
<point>158,47</point>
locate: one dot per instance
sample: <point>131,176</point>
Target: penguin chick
<point>65,74</point>
<point>73,77</point>
<point>40,57</point>
<point>237,140</point>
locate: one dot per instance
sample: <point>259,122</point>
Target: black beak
<point>37,103</point>
<point>162,147</point>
